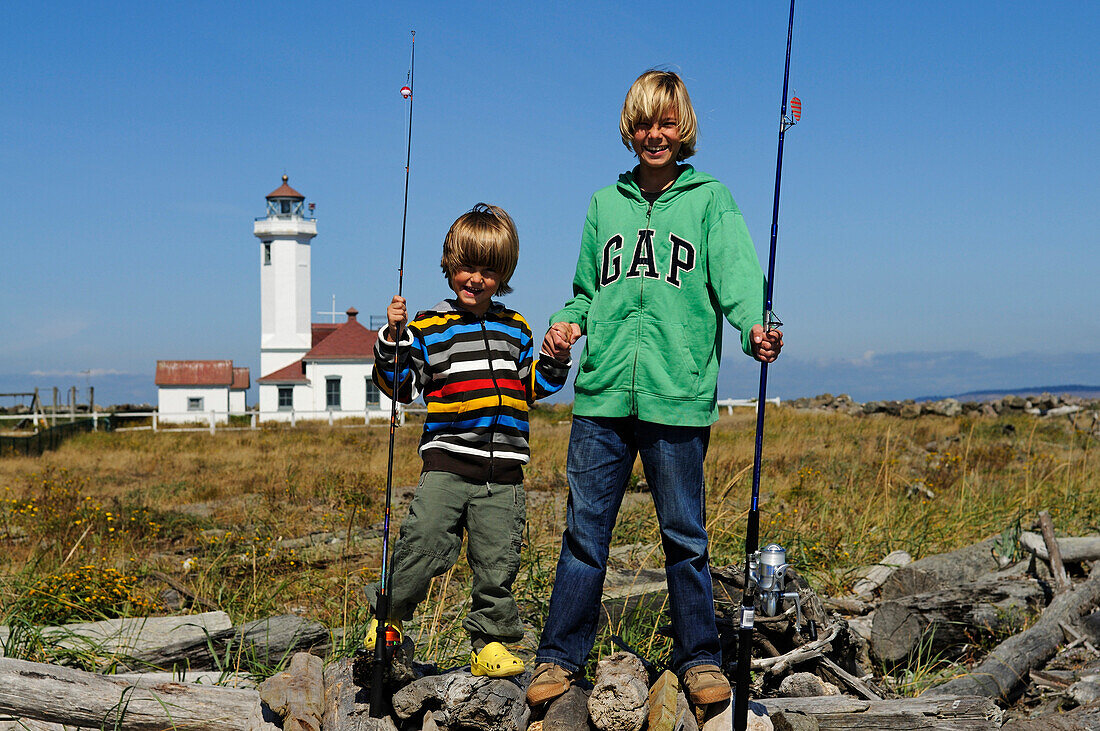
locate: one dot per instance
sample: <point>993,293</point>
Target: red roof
<point>195,372</point>
<point>285,191</point>
<point>349,341</point>
<point>241,379</point>
<point>322,330</point>
<point>293,373</point>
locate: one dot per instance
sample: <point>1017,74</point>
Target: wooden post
<point>72,403</point>
<point>255,417</point>
<point>1057,568</point>
<point>293,417</point>
<point>91,399</point>
<point>156,414</point>
<point>211,421</point>
<point>53,414</point>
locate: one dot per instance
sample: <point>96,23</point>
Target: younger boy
<point>665,257</point>
<point>472,359</point>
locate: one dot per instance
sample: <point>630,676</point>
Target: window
<point>374,396</point>
<point>284,207</point>
<point>332,393</point>
<point>286,398</point>
<point>267,253</point>
<point>194,403</point>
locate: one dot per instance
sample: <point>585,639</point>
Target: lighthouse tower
<point>284,234</point>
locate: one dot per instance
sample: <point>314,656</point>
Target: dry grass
<point>211,510</point>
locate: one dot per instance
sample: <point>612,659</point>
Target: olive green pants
<point>442,509</point>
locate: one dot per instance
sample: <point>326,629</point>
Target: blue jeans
<point>601,455</point>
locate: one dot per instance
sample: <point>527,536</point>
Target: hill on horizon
<point>993,394</point>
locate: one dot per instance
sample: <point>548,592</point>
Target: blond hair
<point>484,236</point>
<point>651,95</point>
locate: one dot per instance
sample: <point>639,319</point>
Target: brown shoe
<point>705,684</point>
<point>548,682</point>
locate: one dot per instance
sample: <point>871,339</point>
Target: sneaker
<point>495,661</point>
<point>705,684</point>
<point>394,633</point>
<point>548,682</point>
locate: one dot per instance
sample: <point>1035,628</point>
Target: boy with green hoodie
<point>665,255</point>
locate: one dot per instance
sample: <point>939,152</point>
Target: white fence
<point>729,403</point>
<point>210,420</point>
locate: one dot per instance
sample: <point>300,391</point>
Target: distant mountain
<point>1076,389</point>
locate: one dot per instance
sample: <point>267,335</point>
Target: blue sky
<point>939,196</point>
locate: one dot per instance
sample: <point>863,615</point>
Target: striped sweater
<point>478,376</point>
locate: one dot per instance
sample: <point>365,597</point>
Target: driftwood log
<point>874,576</point>
<point>620,695</point>
<point>266,642</point>
<point>953,569</point>
<point>298,694</point>
<point>834,713</point>
<point>76,698</point>
<point>1074,550</point>
<point>1057,568</point>
<point>568,712</point>
<point>466,701</point>
<point>1004,671</point>
<point>662,703</point>
<point>934,622</point>
<point>123,636</point>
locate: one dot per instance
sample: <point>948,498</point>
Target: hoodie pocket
<point>669,366</point>
<point>609,354</point>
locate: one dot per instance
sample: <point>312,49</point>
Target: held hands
<point>559,339</point>
<point>765,345</point>
<point>396,314</point>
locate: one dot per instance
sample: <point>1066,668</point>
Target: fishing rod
<point>752,537</point>
<point>383,641</point>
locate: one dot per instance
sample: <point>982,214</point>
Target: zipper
<point>500,400</point>
<point>638,338</point>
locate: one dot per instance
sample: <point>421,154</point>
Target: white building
<point>189,390</point>
<point>310,370</point>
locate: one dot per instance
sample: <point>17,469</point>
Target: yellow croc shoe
<point>394,633</point>
<point>495,661</point>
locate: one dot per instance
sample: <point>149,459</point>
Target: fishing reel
<point>768,570</point>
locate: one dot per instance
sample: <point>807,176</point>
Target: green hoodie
<point>652,284</point>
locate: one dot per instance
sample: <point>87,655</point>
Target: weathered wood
<point>662,703</point>
<point>298,694</point>
<point>1073,550</point>
<point>568,712</point>
<point>475,702</point>
<point>266,642</point>
<point>76,698</point>
<point>1061,580</point>
<point>937,621</point>
<point>779,665</point>
<point>127,636</point>
<point>340,691</point>
<point>1001,675</point>
<point>719,717</point>
<point>852,681</point>
<point>847,605</point>
<point>620,695</point>
<point>834,713</point>
<point>957,568</point>
<point>873,576</point>
<point>201,677</point>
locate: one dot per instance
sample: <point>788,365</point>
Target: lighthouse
<point>285,234</point>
